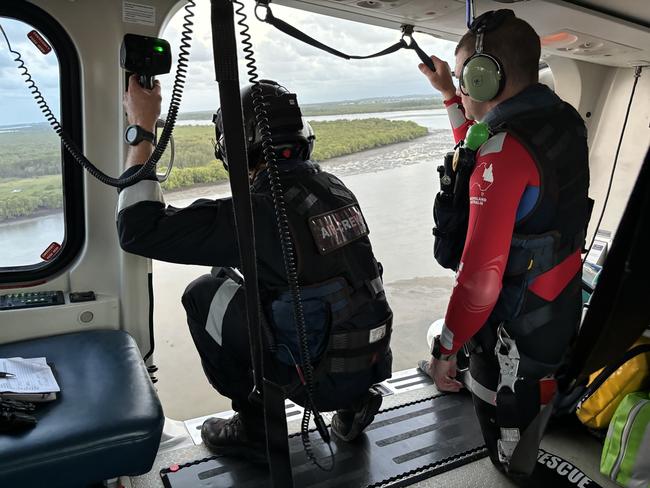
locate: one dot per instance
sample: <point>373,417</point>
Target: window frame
<point>71,122</point>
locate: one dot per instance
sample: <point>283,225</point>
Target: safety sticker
<point>50,253</point>
<point>337,228</point>
<point>138,13</point>
<point>39,42</point>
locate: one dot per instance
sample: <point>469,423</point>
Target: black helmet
<point>292,137</point>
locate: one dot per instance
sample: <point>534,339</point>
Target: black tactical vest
<point>348,319</point>
<point>555,229</point>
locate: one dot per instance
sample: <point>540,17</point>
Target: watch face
<point>131,134</point>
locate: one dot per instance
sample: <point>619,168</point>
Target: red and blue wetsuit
<point>504,189</point>
<point>520,267</point>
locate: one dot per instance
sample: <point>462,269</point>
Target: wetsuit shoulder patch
<point>493,145</point>
<point>335,229</point>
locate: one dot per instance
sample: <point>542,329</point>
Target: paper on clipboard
<point>31,375</point>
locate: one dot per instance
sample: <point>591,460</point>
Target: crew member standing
<point>517,288</point>
<point>347,318</point>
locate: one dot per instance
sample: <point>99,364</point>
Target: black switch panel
<point>31,300</point>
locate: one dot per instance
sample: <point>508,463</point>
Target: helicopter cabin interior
<point>110,425</point>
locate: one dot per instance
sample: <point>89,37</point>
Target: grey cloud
<point>314,75</point>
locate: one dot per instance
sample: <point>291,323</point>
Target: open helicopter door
<point>618,311</point>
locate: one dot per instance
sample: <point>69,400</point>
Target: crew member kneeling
<point>516,301</point>
<point>347,317</point>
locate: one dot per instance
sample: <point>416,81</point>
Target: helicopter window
<point>41,196</point>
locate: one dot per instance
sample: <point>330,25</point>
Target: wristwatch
<point>437,353</point>
<point>134,135</point>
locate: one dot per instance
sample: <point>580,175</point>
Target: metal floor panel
<point>420,439</point>
<point>575,446</point>
<point>400,383</point>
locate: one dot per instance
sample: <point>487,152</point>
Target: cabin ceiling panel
<point>603,39</point>
<point>635,10</point>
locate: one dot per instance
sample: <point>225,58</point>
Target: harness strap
<point>533,256</point>
<point>529,322</point>
<point>524,458</point>
<point>479,390</point>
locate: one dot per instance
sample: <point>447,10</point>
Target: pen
<point>6,375</point>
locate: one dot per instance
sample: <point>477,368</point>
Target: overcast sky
<point>314,75</point>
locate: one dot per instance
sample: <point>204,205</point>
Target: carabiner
<point>265,4</point>
<point>501,331</point>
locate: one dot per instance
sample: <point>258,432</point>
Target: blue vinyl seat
<point>106,422</point>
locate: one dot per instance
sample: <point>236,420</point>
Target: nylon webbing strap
<point>524,457</point>
<point>225,61</point>
<point>290,30</point>
<point>224,48</point>
<point>355,339</point>
<point>529,322</point>
<point>355,361</point>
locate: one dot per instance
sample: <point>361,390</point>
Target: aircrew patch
<point>338,228</point>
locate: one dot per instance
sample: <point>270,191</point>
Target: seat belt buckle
<point>508,357</point>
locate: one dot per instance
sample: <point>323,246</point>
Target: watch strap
<point>436,350</point>
<point>141,135</point>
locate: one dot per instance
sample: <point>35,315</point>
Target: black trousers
<point>215,309</point>
<point>484,369</point>
<point>548,345</point>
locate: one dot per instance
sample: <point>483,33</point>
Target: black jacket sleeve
<point>202,233</point>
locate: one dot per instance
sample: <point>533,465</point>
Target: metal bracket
<point>508,357</point>
<point>407,30</point>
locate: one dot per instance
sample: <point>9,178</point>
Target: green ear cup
<point>481,78</point>
<point>476,135</point>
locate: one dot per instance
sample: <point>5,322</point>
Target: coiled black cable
<point>637,75</point>
<point>172,113</point>
<point>288,251</point>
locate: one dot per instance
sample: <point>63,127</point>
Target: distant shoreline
<point>207,115</point>
<point>44,212</point>
<point>215,180</point>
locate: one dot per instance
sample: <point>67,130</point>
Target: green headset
<point>483,77</point>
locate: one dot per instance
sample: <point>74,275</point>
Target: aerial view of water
<point>24,240</point>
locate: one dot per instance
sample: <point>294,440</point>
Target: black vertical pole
<point>224,48</point>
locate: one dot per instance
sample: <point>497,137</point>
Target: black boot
<point>235,437</point>
<point>348,424</point>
